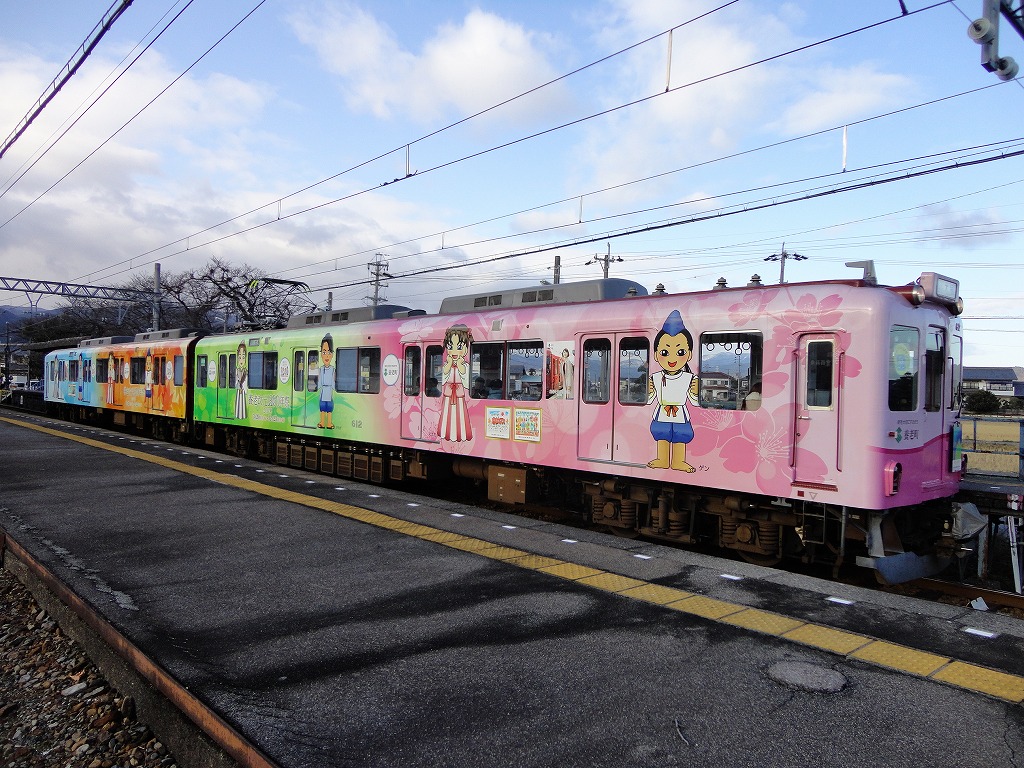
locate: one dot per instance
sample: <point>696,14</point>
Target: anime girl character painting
<point>454,425</point>
<point>149,379</point>
<point>326,382</point>
<point>111,378</point>
<point>81,376</point>
<point>241,380</point>
<point>671,388</point>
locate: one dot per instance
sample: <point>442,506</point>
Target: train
<point>810,420</point>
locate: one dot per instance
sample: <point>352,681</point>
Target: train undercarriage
<point>899,544</point>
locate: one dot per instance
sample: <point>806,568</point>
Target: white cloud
<point>465,66</point>
<point>833,96</point>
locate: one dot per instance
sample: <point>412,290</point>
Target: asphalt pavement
<point>330,641</point>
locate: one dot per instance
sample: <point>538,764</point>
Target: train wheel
<point>624,533</point>
<point>769,561</point>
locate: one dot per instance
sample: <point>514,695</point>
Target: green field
<point>992,446</point>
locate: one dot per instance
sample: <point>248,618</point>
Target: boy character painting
<point>241,380</point>
<point>672,387</point>
<point>454,425</point>
<point>326,382</point>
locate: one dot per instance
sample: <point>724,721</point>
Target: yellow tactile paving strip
<point>847,644</point>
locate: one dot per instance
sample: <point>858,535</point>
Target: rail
<point>996,445</point>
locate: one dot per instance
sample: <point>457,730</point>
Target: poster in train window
<point>560,363</point>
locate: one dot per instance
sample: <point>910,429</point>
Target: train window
<point>158,370</point>
<point>435,370</point>
<point>369,370</point>
<point>488,370</point>
<point>819,374</point>
<point>934,368</point>
<point>73,370</point>
<point>597,355</point>
<point>232,371</point>
<point>956,390</point>
<point>222,371</point>
<point>525,370</point>
<point>357,370</point>
<point>119,370</point>
<point>102,370</point>
<point>634,364</point>
<point>346,372</point>
<point>903,367</point>
<point>262,370</point>
<point>303,377</point>
<point>202,370</point>
<point>137,370</point>
<point>179,370</point>
<point>730,370</point>
<point>411,383</point>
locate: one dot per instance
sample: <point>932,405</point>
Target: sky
<point>468,145</point>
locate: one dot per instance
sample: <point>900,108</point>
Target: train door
<point>225,386</point>
<point>614,418</point>
<point>421,391</point>
<point>412,393</point>
<point>159,381</point>
<point>938,369</point>
<point>305,387</point>
<point>119,376</point>
<point>816,435</point>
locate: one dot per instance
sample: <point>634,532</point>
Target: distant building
<point>1002,382</point>
<point>718,386</point>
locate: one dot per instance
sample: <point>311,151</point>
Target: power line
<point>69,70</point>
<point>407,145</point>
<point>651,227</point>
<point>279,217</point>
<point>62,130</point>
<point>143,109</point>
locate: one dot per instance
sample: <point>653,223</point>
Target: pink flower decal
<point>762,448</point>
<point>752,306</point>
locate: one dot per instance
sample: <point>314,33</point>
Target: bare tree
<point>218,297</point>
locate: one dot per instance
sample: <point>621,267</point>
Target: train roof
<point>544,294</point>
<point>352,315</point>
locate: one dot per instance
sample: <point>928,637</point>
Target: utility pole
<point>605,261</point>
<point>156,296</point>
<point>379,270</point>
<point>781,258</point>
<point>985,32</point>
<point>7,356</point>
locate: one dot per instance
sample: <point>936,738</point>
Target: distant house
<point>1003,382</point>
<point>717,386</point>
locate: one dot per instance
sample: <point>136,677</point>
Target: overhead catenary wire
<point>67,72</point>
<point>279,217</point>
<point>87,104</point>
<point>144,108</point>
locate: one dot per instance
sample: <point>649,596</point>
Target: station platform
<point>332,623</point>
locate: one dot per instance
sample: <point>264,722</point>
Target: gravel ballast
<point>56,709</point>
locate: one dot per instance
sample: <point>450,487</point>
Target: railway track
<point>992,597</point>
